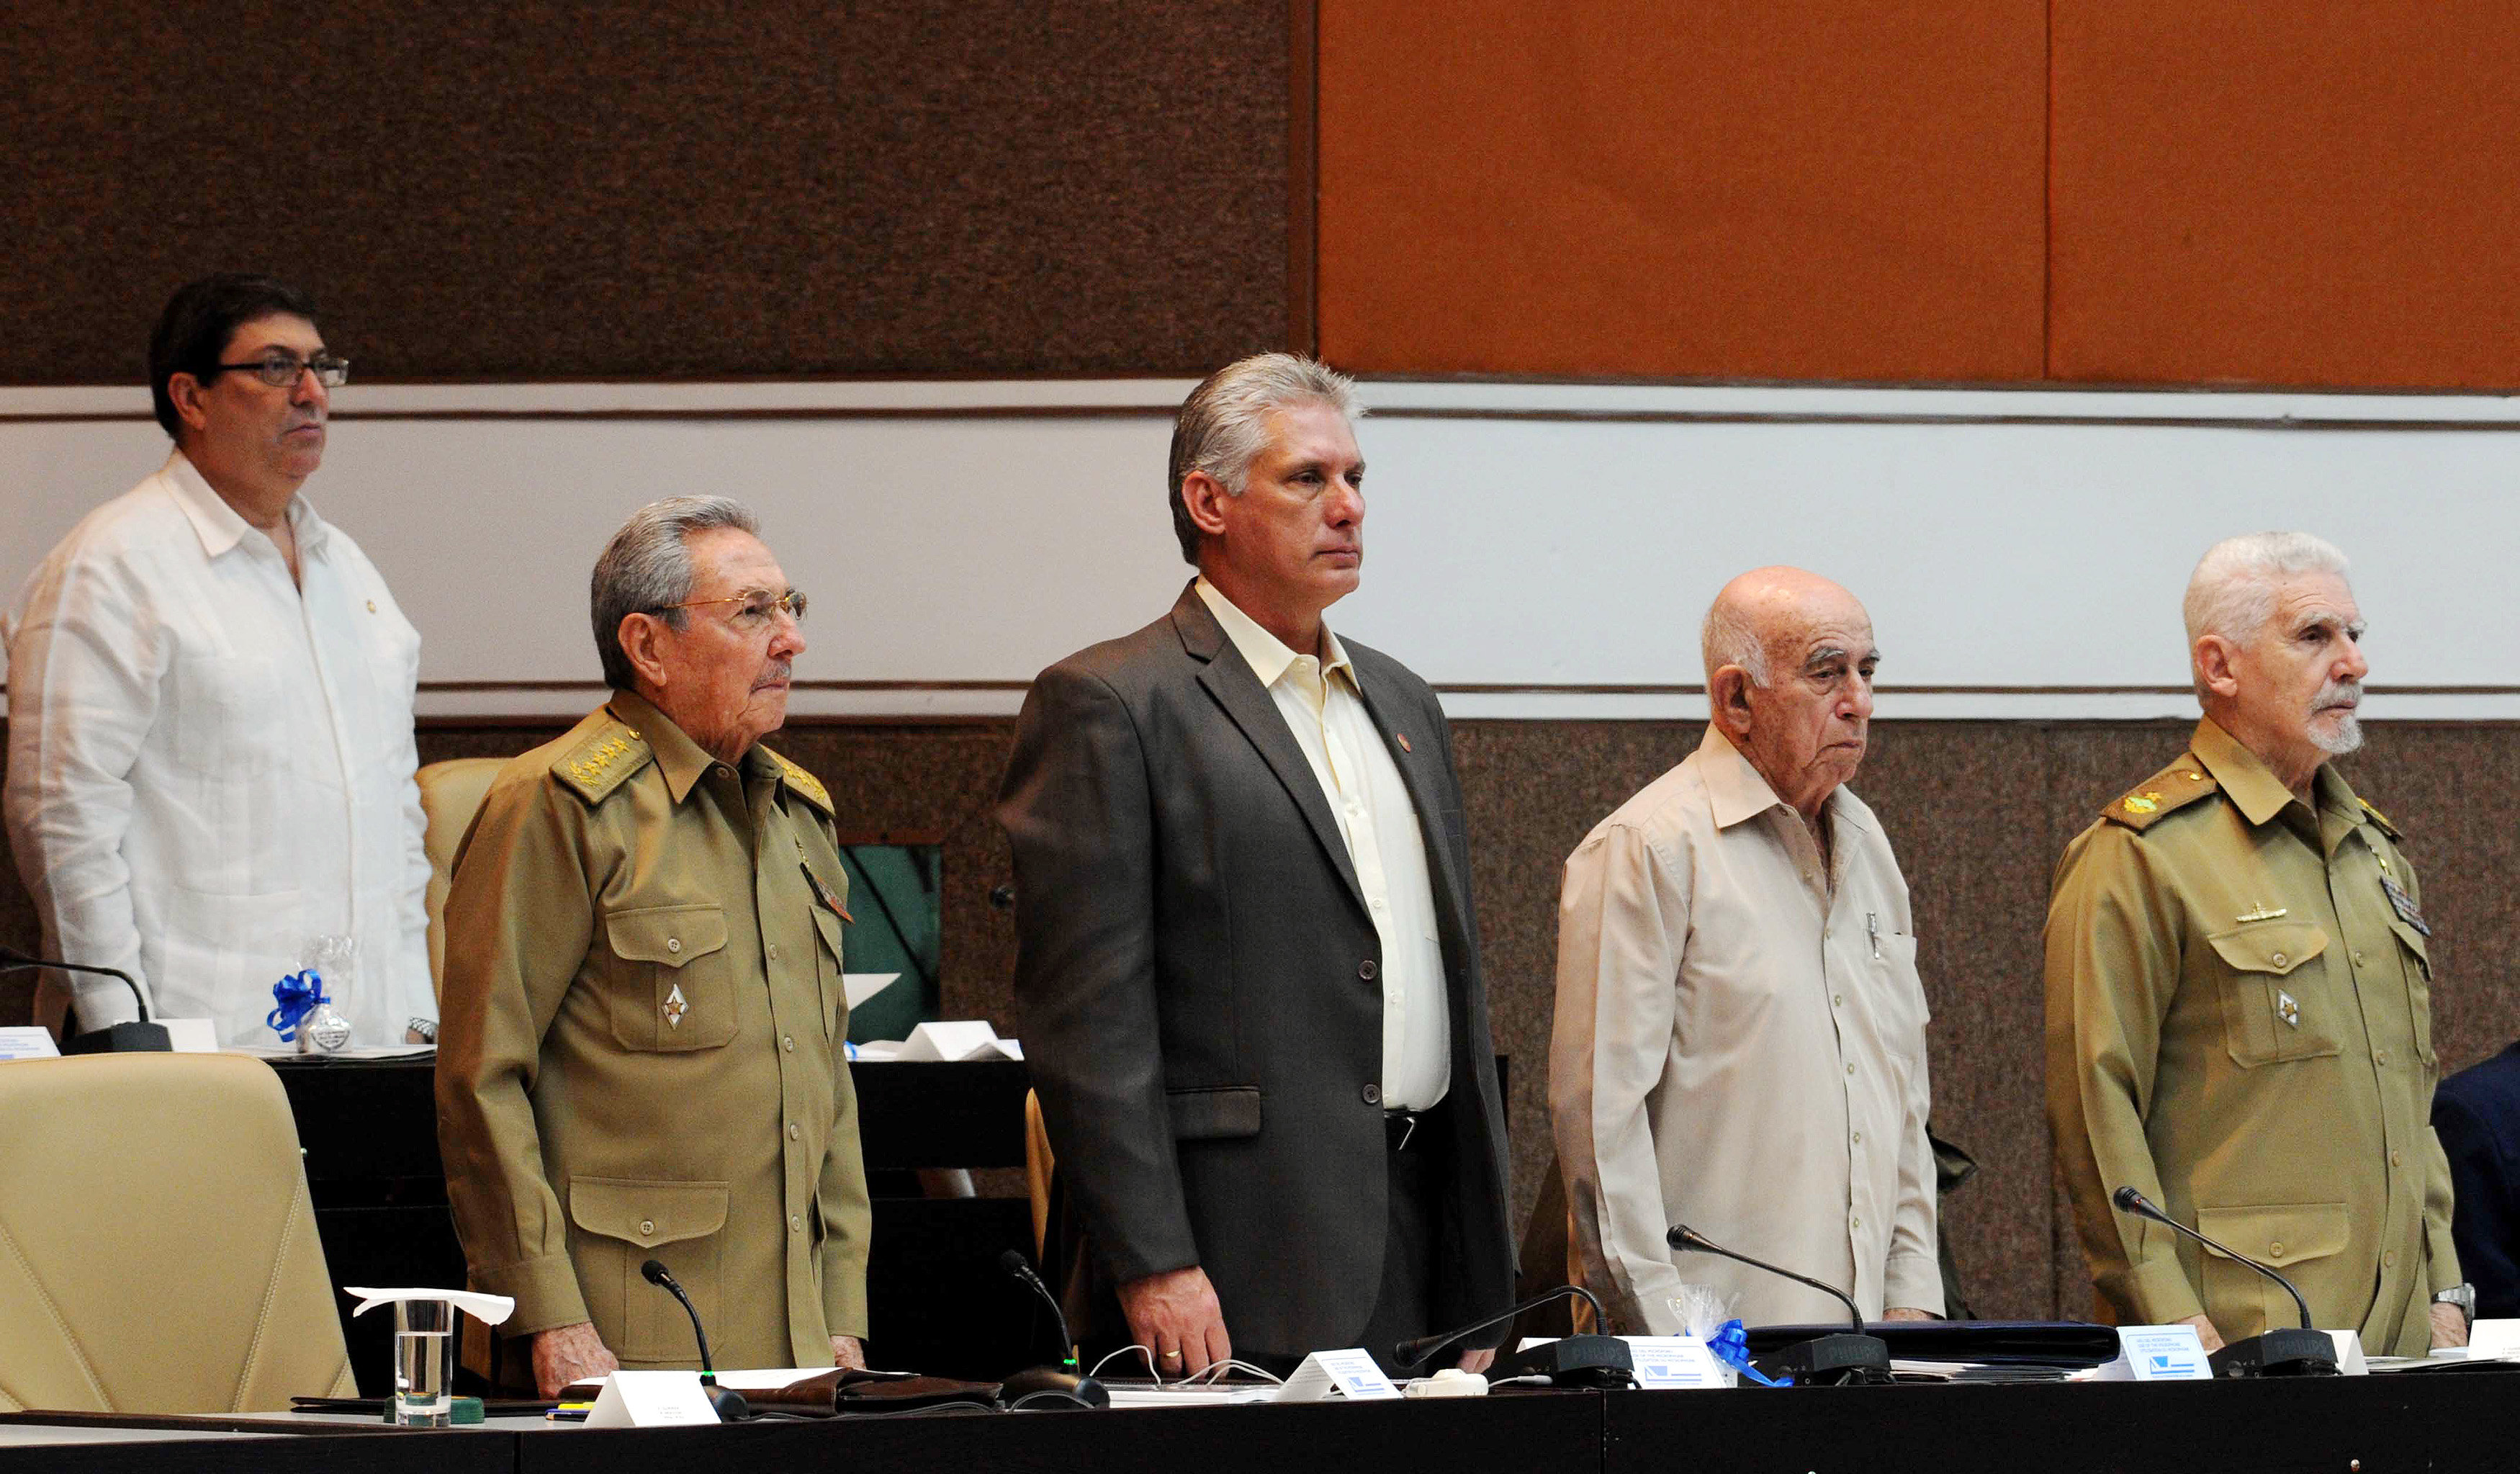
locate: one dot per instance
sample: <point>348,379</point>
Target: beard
<point>2345,735</point>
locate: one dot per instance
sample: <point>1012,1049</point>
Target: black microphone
<point>2279,1350</point>
<point>1578,1361</point>
<point>1845,1358</point>
<point>117,1039</point>
<point>729,1403</point>
<point>1064,1377</point>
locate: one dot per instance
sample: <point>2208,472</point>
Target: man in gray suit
<point>1246,961</point>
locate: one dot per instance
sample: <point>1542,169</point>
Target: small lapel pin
<point>1403,738</point>
<point>372,606</point>
<point>675,1007</point>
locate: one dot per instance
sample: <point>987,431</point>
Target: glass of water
<point>423,1358</point>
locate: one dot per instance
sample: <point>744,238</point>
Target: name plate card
<point>2158,1354</point>
<point>1343,1373</point>
<point>651,1400</point>
<point>1677,1361</point>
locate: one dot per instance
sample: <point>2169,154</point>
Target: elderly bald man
<point>1740,1033</point>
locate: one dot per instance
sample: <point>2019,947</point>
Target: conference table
<point>2432,1421</point>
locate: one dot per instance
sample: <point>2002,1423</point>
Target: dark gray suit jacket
<point>1196,975</point>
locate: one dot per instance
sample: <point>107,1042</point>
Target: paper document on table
<point>958,1041</point>
<point>862,986</point>
<point>1187,1395</point>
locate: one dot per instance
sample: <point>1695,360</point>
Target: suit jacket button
<point>1365,969</point>
<point>1372,1093</point>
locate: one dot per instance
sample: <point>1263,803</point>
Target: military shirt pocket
<point>672,987</point>
<point>2294,1238</point>
<point>2276,1004</point>
<point>2416,956</point>
<point>834,983</point>
<point>621,1223</point>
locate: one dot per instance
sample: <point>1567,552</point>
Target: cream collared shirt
<point>208,764</point>
<point>1740,1047</point>
<point>1325,709</point>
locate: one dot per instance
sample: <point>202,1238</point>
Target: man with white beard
<point>2238,996</point>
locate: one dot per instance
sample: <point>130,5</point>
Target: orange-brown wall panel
<point>2320,194</point>
<point>1825,188</point>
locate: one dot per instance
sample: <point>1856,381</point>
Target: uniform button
<point>1850,1069</point>
<point>2276,957</point>
<point>1372,1095</point>
<point>1365,969</point>
<point>2358,960</point>
<point>773,952</point>
<point>1859,1139</point>
<point>2275,1250</point>
<point>796,1225</point>
<point>1838,1000</point>
<point>2396,1160</point>
<point>1858,1222</point>
<point>787,1041</point>
<point>793,1132</point>
<point>2389,1260</point>
<point>673,944</point>
<point>2380,1055</point>
<point>646,1226</point>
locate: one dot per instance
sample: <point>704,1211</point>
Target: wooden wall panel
<point>548,190</point>
<point>1723,187</point>
<point>2320,194</point>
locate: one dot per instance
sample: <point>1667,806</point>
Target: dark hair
<point>199,319</point>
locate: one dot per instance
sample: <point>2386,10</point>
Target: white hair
<point>1224,425</point>
<point>1729,638</point>
<point>2232,592</point>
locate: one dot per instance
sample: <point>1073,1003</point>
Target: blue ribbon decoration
<point>298,994</point>
<point>1732,1347</point>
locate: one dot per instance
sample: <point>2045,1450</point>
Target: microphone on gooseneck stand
<point>116,1038</point>
<point>1063,1378</point>
<point>1846,1358</point>
<point>1579,1360</point>
<point>2278,1351</point>
<point>729,1403</point>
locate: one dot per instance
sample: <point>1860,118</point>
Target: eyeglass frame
<point>792,604</point>
<point>330,370</point>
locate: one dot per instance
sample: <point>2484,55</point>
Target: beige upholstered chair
<point>450,794</point>
<point>158,1249</point>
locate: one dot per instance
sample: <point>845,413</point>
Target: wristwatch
<point>2464,1297</point>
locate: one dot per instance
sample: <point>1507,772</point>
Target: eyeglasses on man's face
<point>759,606</point>
<point>281,370</point>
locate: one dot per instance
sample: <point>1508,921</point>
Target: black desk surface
<point>2358,1426</point>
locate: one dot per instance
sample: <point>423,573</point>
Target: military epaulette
<point>2180,783</point>
<point>805,783</point>
<point>2380,819</point>
<point>604,762</point>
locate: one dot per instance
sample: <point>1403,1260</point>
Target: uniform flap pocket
<point>2414,943</point>
<point>828,925</point>
<point>2280,1233</point>
<point>646,1213</point>
<point>2275,947</point>
<point>669,934</point>
<point>1211,1112</point>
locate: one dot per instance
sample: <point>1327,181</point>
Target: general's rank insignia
<point>675,1007</point>
<point>2142,803</point>
<point>2287,1008</point>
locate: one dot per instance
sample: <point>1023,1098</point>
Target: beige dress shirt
<point>1326,712</point>
<point>1740,1047</point>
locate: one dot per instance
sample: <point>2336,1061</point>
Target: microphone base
<point>120,1039</point>
<point>1573,1362</point>
<point>1844,1360</point>
<point>729,1404</point>
<point>2286,1352</point>
<point>1084,1390</point>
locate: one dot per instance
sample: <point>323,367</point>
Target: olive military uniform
<point>2239,1025</point>
<point>643,1049</point>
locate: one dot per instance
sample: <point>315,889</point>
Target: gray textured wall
<point>1978,811</point>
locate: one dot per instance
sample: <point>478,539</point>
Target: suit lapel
<point>1228,677</point>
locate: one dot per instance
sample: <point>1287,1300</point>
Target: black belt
<point>1407,1129</point>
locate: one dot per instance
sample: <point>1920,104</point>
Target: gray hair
<point>1223,425</point>
<point>2232,592</point>
<point>648,565</point>
<point>1729,639</point>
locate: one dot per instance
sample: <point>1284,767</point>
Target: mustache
<point>2338,694</point>
<point>774,674</point>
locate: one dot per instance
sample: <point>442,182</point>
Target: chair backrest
<point>158,1248</point>
<point>450,794</point>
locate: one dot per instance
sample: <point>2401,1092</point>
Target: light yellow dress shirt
<point>1325,710</point>
<point>1740,1047</point>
